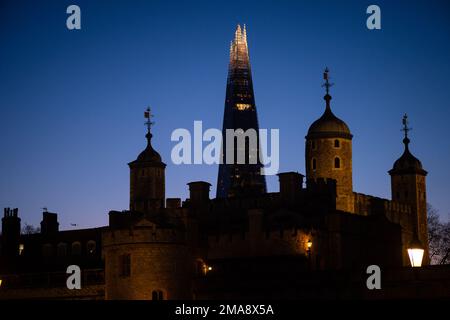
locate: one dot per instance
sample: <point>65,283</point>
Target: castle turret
<point>408,186</point>
<point>328,152</point>
<point>147,177</point>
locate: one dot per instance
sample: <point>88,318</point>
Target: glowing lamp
<point>415,252</point>
<point>309,244</point>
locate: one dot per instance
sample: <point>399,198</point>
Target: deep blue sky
<point>71,102</point>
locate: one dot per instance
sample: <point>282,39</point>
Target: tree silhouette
<point>438,237</point>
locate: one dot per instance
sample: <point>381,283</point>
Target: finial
<point>148,115</point>
<point>327,86</point>
<point>405,129</point>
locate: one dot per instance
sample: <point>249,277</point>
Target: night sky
<point>72,102</point>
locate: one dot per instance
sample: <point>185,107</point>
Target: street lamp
<point>415,252</point>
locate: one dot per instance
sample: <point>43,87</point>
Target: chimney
<point>10,232</point>
<point>199,192</point>
<point>49,223</point>
<point>291,184</point>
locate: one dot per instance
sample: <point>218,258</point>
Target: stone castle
<point>312,238</point>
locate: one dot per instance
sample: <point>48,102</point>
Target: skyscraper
<point>240,113</point>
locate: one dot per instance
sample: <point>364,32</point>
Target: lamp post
<point>415,251</point>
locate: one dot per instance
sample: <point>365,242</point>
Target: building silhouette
<point>314,238</point>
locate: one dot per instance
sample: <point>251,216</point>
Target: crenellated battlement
<point>321,184</point>
<point>366,205</point>
<point>289,241</point>
<point>144,233</point>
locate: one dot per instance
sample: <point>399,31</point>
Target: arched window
<point>313,145</point>
<point>337,143</point>
<point>76,248</point>
<point>337,163</point>
<point>157,295</point>
<point>91,247</point>
<point>314,164</point>
<point>61,250</point>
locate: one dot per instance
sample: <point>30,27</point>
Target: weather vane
<point>405,128</point>
<point>327,84</point>
<point>148,115</point>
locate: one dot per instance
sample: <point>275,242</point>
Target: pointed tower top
<point>238,31</point>
<point>239,50</point>
<point>407,163</point>
<point>149,154</point>
<point>328,124</point>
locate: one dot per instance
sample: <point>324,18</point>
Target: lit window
<point>243,106</point>
<point>157,295</point>
<point>337,163</point>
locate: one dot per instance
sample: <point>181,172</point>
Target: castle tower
<point>408,186</point>
<point>146,260</point>
<point>328,152</point>
<point>240,113</point>
<point>147,177</point>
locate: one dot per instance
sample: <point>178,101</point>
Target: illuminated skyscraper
<point>240,113</point>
